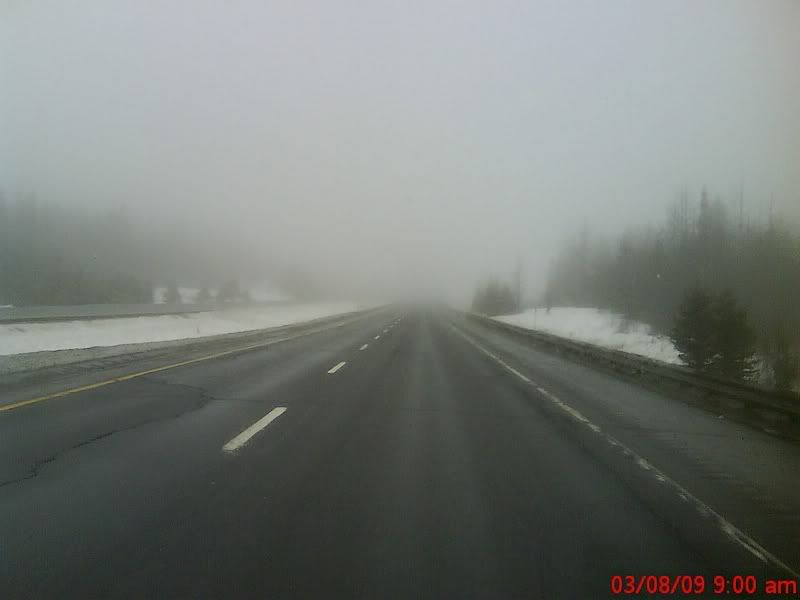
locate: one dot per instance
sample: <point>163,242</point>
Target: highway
<point>409,453</point>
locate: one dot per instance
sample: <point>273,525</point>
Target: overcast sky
<point>425,143</point>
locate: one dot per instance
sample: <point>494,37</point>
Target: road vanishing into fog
<point>407,453</point>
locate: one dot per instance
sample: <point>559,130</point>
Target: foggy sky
<point>407,145</point>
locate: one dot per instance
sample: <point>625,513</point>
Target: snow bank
<point>598,327</point>
<point>36,337</point>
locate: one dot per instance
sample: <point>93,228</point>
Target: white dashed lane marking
<point>336,367</point>
<point>244,437</point>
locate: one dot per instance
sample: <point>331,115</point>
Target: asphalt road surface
<point>411,453</point>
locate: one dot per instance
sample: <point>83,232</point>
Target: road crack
<point>202,400</point>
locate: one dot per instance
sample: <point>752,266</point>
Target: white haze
<point>400,146</point>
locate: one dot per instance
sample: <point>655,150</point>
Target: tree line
<point>228,291</point>
<point>708,276</point>
<point>495,298</point>
<point>713,334</point>
<point>51,256</point>
<point>54,255</point>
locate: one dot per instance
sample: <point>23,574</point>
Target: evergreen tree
<point>783,359</point>
<point>479,299</point>
<point>5,247</point>
<point>228,291</point>
<point>494,298</point>
<point>734,340</point>
<point>203,296</point>
<point>172,295</point>
<point>693,331</point>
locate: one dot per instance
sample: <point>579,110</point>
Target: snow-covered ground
<point>19,338</point>
<point>598,327</point>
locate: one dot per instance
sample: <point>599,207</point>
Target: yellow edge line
<point>99,384</point>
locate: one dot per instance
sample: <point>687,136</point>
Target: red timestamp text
<point>671,585</point>
<point>625,585</point>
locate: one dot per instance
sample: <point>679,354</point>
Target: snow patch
<point>20,338</point>
<point>599,327</point>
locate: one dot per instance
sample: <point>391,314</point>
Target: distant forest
<point>703,247</point>
<point>51,255</point>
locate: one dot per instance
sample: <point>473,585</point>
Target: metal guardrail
<point>33,314</point>
<point>776,412</point>
<point>22,365</point>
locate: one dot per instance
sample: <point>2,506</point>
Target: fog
<point>401,148</point>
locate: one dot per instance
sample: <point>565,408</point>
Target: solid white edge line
<point>336,367</point>
<point>244,437</point>
<point>733,532</point>
<point>364,347</point>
